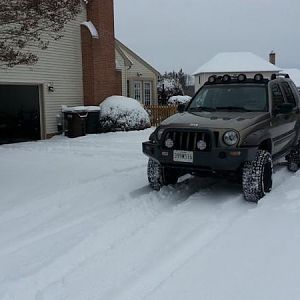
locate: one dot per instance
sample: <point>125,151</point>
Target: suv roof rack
<point>284,75</point>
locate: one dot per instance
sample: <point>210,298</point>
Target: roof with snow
<point>294,75</point>
<point>236,62</point>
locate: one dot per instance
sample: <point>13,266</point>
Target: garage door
<point>19,113</point>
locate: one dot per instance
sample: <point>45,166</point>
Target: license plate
<point>183,156</point>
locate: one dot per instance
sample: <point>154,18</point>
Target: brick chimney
<point>272,58</point>
<point>100,78</point>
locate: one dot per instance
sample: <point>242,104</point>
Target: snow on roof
<point>294,75</point>
<point>229,62</point>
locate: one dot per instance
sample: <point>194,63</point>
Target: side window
<point>277,96</point>
<point>288,93</point>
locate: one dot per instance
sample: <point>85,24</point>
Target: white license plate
<point>183,156</point>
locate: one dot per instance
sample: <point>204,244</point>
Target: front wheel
<point>159,176</point>
<point>257,176</point>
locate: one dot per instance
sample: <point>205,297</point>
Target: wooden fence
<point>159,113</point>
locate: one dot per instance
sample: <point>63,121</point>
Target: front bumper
<point>217,159</point>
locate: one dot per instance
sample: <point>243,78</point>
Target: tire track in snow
<point>87,245</point>
<point>173,196</point>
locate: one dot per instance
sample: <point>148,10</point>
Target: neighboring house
<point>78,69</point>
<point>189,89</point>
<point>234,63</point>
<point>139,79</point>
<point>294,75</point>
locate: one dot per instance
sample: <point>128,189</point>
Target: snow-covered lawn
<point>78,221</point>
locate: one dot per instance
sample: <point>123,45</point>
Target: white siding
<point>60,64</point>
<point>203,77</point>
<point>121,66</point>
<point>145,73</point>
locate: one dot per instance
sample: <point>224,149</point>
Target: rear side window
<point>276,95</point>
<point>288,93</point>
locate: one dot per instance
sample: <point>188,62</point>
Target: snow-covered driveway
<point>78,221</point>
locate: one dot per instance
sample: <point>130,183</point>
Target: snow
<point>123,113</point>
<point>236,62</point>
<point>294,75</point>
<point>78,221</point>
<point>179,100</point>
<point>74,109</point>
<point>92,29</point>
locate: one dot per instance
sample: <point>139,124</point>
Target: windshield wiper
<point>202,108</point>
<point>237,108</point>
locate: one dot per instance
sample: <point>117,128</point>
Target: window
<point>276,95</point>
<point>288,93</point>
<point>147,92</point>
<point>231,97</point>
<point>138,90</point>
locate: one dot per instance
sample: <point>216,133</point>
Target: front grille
<point>187,141</point>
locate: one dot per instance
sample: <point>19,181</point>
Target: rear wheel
<point>257,176</point>
<point>293,159</point>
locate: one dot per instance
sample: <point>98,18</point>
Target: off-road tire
<point>154,172</point>
<point>257,176</point>
<point>293,159</point>
<point>159,176</point>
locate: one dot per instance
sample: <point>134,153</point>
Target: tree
<point>26,25</point>
<point>171,84</point>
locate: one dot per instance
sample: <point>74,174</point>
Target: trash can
<point>92,120</point>
<point>75,123</point>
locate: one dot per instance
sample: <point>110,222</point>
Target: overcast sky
<point>171,34</point>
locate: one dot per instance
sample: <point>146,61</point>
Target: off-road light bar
<point>242,77</point>
<point>258,77</point>
<point>226,78</point>
<point>285,75</point>
<point>212,79</point>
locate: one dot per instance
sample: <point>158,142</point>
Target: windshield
<point>231,97</point>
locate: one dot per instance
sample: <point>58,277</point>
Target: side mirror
<point>181,108</point>
<point>284,108</point>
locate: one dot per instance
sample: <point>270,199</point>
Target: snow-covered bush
<point>122,113</point>
<point>175,100</point>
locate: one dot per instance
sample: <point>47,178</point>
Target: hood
<point>221,119</point>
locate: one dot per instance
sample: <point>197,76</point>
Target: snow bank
<point>118,112</point>
<point>174,100</point>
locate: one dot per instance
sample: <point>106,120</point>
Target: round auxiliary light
<point>258,77</point>
<point>169,143</point>
<point>226,78</point>
<point>201,145</point>
<point>242,77</point>
<point>212,79</point>
<point>230,138</point>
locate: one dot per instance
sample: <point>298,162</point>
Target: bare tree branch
<point>25,23</point>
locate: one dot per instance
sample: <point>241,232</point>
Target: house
<point>139,78</point>
<point>79,69</point>
<point>234,63</point>
<point>294,75</point>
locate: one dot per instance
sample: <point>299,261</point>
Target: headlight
<point>160,133</point>
<point>230,138</point>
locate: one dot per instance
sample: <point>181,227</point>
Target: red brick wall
<point>100,78</point>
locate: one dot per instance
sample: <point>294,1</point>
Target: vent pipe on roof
<point>272,58</point>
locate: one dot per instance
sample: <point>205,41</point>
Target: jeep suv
<point>233,126</point>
